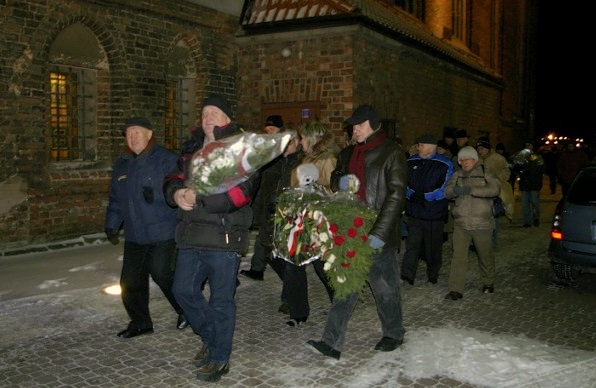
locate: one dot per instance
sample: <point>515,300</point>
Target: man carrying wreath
<point>380,167</point>
<point>211,233</point>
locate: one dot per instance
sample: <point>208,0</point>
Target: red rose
<point>364,238</point>
<point>352,232</point>
<point>333,228</point>
<point>338,240</point>
<point>345,265</point>
<point>358,222</point>
<point>351,254</point>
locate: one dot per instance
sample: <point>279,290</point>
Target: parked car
<point>572,248</point>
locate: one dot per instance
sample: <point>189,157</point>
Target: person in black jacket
<point>426,209</point>
<point>530,167</point>
<point>212,232</point>
<point>380,166</point>
<point>137,202</point>
<point>263,210</point>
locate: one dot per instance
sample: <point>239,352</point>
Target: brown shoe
<point>453,295</point>
<point>202,357</point>
<point>212,371</point>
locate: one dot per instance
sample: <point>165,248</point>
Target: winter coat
<point>474,211</point>
<point>428,176</point>
<point>219,221</point>
<point>530,173</point>
<point>325,163</point>
<point>274,178</point>
<point>500,167</point>
<point>385,184</point>
<point>136,197</point>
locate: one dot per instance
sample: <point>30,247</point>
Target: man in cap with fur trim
<point>149,247</point>
<point>212,232</point>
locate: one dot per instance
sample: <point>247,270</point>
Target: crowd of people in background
<point>436,188</point>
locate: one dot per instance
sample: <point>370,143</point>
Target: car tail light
<point>556,233</point>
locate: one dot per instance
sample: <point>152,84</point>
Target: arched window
<point>75,59</point>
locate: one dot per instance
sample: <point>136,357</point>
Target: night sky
<point>566,74</point>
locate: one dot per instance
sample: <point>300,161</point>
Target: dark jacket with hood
<point>218,221</point>
<point>385,185</point>
<point>136,196</point>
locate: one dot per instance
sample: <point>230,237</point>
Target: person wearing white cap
<point>472,188</point>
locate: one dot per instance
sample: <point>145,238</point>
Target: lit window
<point>71,114</point>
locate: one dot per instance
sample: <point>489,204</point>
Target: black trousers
<point>425,241</point>
<point>141,261</point>
<point>296,288</point>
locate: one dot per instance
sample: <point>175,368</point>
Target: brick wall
<point>136,37</point>
<point>340,67</point>
<point>343,67</point>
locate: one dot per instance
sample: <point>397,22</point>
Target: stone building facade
<point>73,71</point>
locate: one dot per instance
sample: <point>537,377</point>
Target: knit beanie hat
<point>221,102</point>
<point>467,153</point>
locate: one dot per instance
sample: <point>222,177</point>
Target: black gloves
<point>417,197</point>
<point>112,235</point>
<point>460,190</point>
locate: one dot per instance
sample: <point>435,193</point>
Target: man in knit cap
<point>212,232</point>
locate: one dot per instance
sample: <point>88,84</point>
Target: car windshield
<point>582,192</point>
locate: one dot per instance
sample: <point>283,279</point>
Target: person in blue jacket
<point>137,204</point>
<point>426,209</point>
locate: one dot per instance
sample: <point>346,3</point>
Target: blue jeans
<point>383,280</point>
<point>530,206</point>
<point>214,320</point>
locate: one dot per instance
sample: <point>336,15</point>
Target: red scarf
<point>357,163</point>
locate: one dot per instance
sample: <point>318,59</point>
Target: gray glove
<point>375,242</point>
<point>343,183</point>
<point>461,190</point>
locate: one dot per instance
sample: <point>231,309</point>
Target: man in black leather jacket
<point>212,232</point>
<point>380,166</point>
